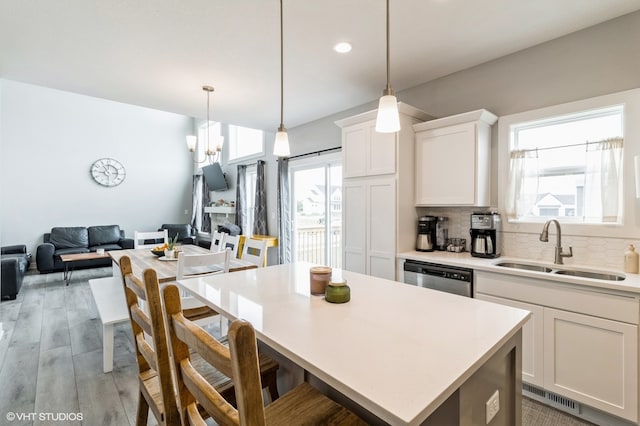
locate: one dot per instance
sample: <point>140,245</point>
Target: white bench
<point>110,304</point>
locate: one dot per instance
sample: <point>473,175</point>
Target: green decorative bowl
<point>158,252</point>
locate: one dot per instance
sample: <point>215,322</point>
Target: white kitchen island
<point>397,353</point>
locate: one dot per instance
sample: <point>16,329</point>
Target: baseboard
<point>572,407</point>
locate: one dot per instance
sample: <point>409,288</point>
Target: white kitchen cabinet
<point>453,160</point>
<point>354,226</point>
<point>378,213</point>
<point>367,152</point>
<point>532,338</point>
<point>369,243</point>
<point>592,360</point>
<point>589,346</point>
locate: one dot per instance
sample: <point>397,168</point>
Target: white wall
<point>50,138</point>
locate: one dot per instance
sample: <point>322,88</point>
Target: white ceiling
<point>158,53</point>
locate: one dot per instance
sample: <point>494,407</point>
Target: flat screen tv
<point>214,177</point>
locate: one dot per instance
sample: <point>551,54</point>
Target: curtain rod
<point>585,144</point>
<point>322,151</point>
<point>308,154</point>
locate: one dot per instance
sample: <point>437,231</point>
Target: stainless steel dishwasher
<point>450,279</point>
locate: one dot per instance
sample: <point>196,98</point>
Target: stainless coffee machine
<point>485,232</point>
<point>426,233</point>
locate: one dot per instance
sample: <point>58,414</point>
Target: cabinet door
<point>381,228</point>
<point>382,152</point>
<point>532,338</point>
<point>446,166</point>
<point>354,144</point>
<point>354,207</point>
<point>367,152</point>
<point>592,360</point>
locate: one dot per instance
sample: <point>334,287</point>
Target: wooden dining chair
<point>143,239</point>
<point>155,380</point>
<point>302,405</point>
<point>255,251</point>
<point>232,242</point>
<point>217,241</point>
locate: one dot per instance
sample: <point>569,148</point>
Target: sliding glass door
<point>316,204</point>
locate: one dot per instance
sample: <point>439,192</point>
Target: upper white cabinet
<point>378,212</point>
<point>366,152</point>
<point>453,160</point>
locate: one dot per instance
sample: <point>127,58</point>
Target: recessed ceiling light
<point>342,47</point>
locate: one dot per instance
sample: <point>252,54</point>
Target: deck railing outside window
<point>311,245</point>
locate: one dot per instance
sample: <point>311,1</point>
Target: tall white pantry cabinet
<point>379,218</point>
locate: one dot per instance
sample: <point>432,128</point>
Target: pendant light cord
<point>388,90</point>
<point>208,126</point>
<point>281,70</point>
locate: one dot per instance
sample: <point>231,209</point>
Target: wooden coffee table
<point>70,259</point>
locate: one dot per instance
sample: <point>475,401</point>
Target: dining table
<point>166,269</point>
<point>395,353</point>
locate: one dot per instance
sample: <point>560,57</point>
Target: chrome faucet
<point>544,236</point>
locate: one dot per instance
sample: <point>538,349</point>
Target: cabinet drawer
<point>557,295</point>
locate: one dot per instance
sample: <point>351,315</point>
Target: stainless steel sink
<point>593,275</point>
<point>538,268</point>
<point>571,272</point>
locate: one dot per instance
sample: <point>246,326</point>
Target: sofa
<point>79,239</point>
<point>186,234</point>
<point>15,262</point>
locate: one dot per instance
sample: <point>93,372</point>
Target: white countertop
<point>630,284</point>
<point>397,350</point>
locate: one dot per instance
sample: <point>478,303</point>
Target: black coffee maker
<point>485,234</point>
<point>426,233</point>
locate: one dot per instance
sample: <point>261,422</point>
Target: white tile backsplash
<point>587,251</point>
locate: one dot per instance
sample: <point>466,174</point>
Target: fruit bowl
<point>158,252</point>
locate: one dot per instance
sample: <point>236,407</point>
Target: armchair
<point>15,262</point>
<point>186,234</point>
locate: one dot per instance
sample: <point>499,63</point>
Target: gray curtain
<point>206,219</point>
<point>260,205</point>
<point>284,212</point>
<point>241,196</point>
<point>196,200</point>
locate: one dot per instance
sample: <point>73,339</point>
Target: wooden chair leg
<point>272,385</point>
<point>143,411</point>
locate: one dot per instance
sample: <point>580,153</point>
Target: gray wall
<point>50,138</point>
<point>595,61</point>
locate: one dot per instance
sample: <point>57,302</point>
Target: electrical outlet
<point>493,406</point>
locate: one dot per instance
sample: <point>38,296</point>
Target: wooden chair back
<point>140,238</point>
<point>239,361</point>
<point>217,241</point>
<point>154,366</point>
<point>232,242</point>
<point>190,265</point>
<point>255,251</point>
<point>202,264</point>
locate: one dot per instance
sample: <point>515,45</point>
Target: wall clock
<point>108,172</point>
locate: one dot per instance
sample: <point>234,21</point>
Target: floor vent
<point>561,402</point>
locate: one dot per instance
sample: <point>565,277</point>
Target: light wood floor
<point>51,360</point>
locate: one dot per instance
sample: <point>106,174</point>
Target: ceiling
<point>159,53</point>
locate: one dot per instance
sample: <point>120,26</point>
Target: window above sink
<point>544,163</point>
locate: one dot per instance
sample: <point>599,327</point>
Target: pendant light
<point>281,144</point>
<point>212,155</point>
<point>388,120</point>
